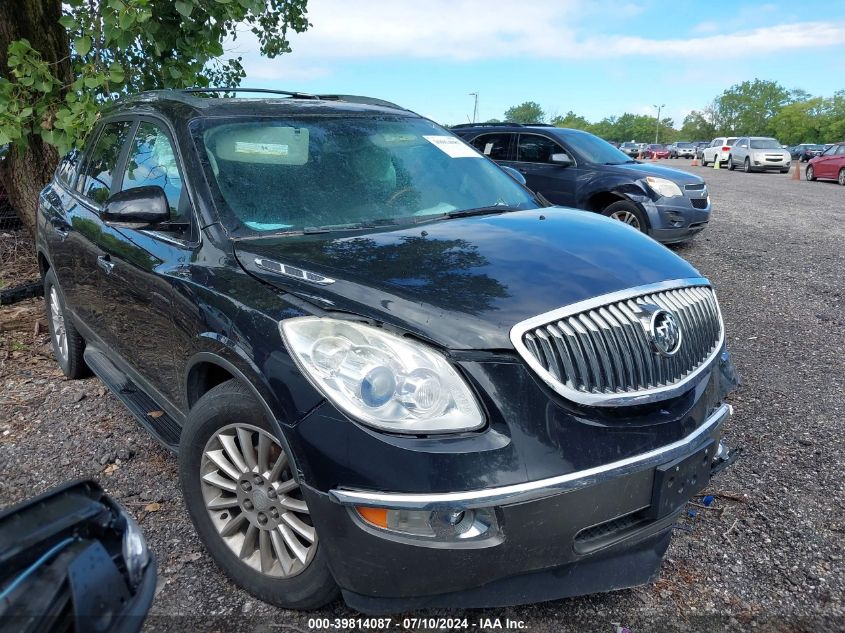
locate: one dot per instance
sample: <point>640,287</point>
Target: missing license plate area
<point>676,482</point>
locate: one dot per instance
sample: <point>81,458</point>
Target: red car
<point>656,151</point>
<point>828,166</point>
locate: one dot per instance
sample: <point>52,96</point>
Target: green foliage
<point>571,120</point>
<point>698,126</point>
<point>128,46</point>
<point>748,108</point>
<point>526,112</point>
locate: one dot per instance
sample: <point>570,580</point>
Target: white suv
<point>759,153</point>
<point>719,150</point>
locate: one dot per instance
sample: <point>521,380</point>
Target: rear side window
<point>496,146</point>
<point>536,149</point>
<point>841,150</point>
<point>152,161</point>
<point>99,171</point>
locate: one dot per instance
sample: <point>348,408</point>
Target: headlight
<point>381,379</point>
<point>663,187</point>
<point>135,552</point>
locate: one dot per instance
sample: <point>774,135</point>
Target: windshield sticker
<point>452,146</point>
<point>488,148</point>
<point>265,149</point>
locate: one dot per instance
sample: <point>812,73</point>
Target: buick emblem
<point>664,332</point>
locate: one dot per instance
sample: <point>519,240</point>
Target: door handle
<point>105,262</point>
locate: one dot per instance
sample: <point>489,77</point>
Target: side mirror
<point>137,208</point>
<point>560,159</point>
<point>510,171</point>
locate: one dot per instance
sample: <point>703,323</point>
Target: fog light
<point>675,219</point>
<point>441,525</point>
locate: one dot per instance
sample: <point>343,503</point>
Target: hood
<point>463,283</point>
<point>641,170</point>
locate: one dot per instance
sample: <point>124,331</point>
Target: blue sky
<point>594,57</point>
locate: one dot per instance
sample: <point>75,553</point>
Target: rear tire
<point>243,525</point>
<point>810,173</point>
<point>68,345</point>
<point>703,161</point>
<point>627,212</point>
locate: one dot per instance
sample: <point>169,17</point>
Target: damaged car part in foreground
<point>73,560</point>
<point>375,351</point>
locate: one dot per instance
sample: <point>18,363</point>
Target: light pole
<point>657,132</point>
<point>475,107</point>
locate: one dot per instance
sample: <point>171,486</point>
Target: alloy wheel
<point>810,173</point>
<point>842,177</point>
<point>57,317</point>
<point>627,217</point>
<point>254,502</point>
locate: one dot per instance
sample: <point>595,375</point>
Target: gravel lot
<point>767,556</point>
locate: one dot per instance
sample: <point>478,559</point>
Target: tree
<point>571,120</point>
<point>800,122</point>
<point>698,126</point>
<point>61,61</point>
<point>527,112</point>
<point>747,108</point>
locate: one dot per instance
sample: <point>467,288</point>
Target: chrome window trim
<point>611,399</point>
<point>532,490</point>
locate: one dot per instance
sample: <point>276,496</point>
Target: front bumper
<point>676,219</point>
<point>583,532</point>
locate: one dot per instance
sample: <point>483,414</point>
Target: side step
<point>164,428</point>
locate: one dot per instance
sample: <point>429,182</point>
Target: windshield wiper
<point>489,210</point>
<point>354,226</point>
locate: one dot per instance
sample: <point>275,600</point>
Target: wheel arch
<point>206,370</point>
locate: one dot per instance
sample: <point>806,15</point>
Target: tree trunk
<point>25,174</point>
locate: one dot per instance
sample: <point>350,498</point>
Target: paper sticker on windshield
<point>488,148</point>
<point>452,146</point>
<point>264,149</point>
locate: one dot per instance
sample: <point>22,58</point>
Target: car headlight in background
<point>663,187</point>
<point>381,379</point>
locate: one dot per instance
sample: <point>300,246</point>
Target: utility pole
<point>475,107</point>
<point>657,132</point>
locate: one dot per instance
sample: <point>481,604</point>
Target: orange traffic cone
<point>694,162</point>
<point>796,175</point>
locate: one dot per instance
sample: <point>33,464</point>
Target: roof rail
<point>287,93</point>
<point>491,124</point>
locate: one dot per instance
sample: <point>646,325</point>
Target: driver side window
<point>96,182</point>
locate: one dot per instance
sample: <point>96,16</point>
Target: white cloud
<point>465,30</point>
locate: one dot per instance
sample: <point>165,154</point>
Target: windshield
<point>337,173</point>
<point>683,144</point>
<point>595,150</point>
<point>765,143</point>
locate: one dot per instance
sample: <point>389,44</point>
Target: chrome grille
<point>600,352</point>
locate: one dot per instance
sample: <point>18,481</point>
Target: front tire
<point>627,212</point>
<point>731,165</point>
<point>68,345</point>
<point>746,166</point>
<point>248,510</point>
<point>810,173</point>
<point>841,179</point>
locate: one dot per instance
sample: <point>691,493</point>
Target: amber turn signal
<point>376,516</point>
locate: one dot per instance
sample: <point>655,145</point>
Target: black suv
<point>577,169</point>
<point>387,367</point>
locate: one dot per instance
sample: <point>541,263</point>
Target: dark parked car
<point>387,367</point>
<point>829,166</point>
<point>73,560</point>
<point>805,151</point>
<point>578,169</point>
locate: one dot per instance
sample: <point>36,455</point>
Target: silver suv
<point>759,153</point>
